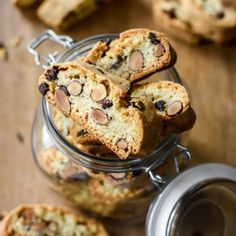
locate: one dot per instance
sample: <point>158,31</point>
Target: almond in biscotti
<point>100,108</point>
<point>62,100</point>
<point>99,93</point>
<point>134,55</point>
<point>74,88</point>
<point>171,102</point>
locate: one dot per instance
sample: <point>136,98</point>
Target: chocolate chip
<point>122,144</point>
<point>81,132</point>
<point>170,13</point>
<point>106,103</point>
<point>51,74</point>
<point>153,38</point>
<point>137,104</point>
<point>108,42</point>
<point>160,105</point>
<point>220,15</point>
<point>118,63</point>
<point>43,88</point>
<point>64,89</point>
<point>99,116</point>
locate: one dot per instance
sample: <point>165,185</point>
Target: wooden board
<point>207,71</point>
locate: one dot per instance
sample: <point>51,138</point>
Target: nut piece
<point>118,176</point>
<point>136,60</point>
<point>159,51</point>
<point>99,116</point>
<point>52,227</point>
<point>99,93</point>
<point>62,100</point>
<point>69,171</point>
<point>74,88</point>
<point>122,144</point>
<point>174,108</point>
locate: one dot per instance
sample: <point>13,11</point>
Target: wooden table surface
<point>209,72</point>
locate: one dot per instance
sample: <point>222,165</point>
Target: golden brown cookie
<point>38,220</point>
<point>136,54</point>
<point>94,99</point>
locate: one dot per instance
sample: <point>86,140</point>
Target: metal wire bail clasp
<point>176,151</point>
<point>44,61</point>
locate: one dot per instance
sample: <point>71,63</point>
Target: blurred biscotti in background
<point>42,219</point>
<point>61,14</point>
<point>195,21</point>
<point>26,4</point>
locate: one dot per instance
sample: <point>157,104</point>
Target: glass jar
<point>103,185</point>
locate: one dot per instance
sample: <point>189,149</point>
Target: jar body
<point>122,195</point>
<point>114,192</point>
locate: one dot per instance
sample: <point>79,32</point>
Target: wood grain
<point>207,71</point>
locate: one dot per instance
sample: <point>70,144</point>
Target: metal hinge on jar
<point>44,61</point>
<point>177,151</point>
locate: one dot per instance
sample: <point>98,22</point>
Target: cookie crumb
<point>3,52</point>
<point>20,137</point>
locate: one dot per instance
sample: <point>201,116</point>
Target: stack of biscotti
<point>99,94</point>
<point>61,14</point>
<point>195,21</point>
<point>38,220</point>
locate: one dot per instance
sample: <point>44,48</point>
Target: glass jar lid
<point>201,201</point>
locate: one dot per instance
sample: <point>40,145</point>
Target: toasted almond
<point>99,93</point>
<point>118,176</point>
<point>62,100</point>
<point>122,144</point>
<point>136,60</point>
<point>74,88</point>
<point>159,51</point>
<point>69,171</point>
<point>52,227</point>
<point>174,108</point>
<point>99,116</point>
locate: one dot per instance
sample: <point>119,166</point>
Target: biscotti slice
<point>195,21</point>
<point>93,99</point>
<point>64,14</point>
<point>136,54</point>
<point>171,103</point>
<point>47,220</point>
<point>173,18</point>
<point>215,19</point>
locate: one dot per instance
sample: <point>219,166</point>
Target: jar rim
<point>92,161</point>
